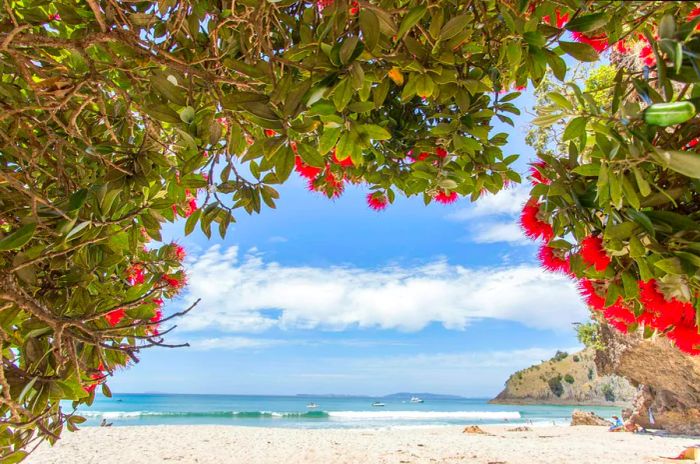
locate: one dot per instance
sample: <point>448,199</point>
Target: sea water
<point>332,411</point>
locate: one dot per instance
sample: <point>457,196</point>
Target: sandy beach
<point>228,444</point>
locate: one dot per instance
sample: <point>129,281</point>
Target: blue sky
<point>323,296</point>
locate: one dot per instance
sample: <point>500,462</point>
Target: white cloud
<point>238,294</point>
<point>499,232</point>
<point>494,218</point>
<point>233,343</point>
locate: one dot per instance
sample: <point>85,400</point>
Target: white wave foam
<point>112,414</point>
<point>423,415</point>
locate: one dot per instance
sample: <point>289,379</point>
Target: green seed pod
<point>668,114</point>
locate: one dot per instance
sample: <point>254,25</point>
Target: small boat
<point>312,405</point>
<point>378,404</point>
<point>415,399</point>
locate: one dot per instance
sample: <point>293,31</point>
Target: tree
<point>119,116</point>
<point>618,210</point>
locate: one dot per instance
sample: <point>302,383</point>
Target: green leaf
<point>411,19</point>
<point>375,132</point>
<point>18,238</point>
<point>163,113</point>
<point>588,170</point>
<point>369,25</point>
<point>342,94</point>
<point>453,27</point>
<point>669,114</point>
<point>687,163</point>
<point>77,200</point>
<point>670,266</point>
<point>310,155</point>
<point>580,51</point>
<point>588,23</point>
<point>575,128</point>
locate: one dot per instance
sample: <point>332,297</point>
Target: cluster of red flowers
<point>531,223</point>
<point>135,274</point>
<point>174,282</point>
<point>353,10</point>
<point>114,317</point>
<point>324,180</point>
<point>377,201</point>
<point>536,173</point>
<point>674,318</point>
<point>445,197</point>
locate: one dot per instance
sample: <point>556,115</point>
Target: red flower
<point>135,274</point>
<point>270,133</point>
<point>157,316</point>
<point>561,19</point>
<point>531,224</point>
<point>593,253</point>
<point>551,262</point>
<point>377,201</point>
<point>157,301</point>
<point>347,162</point>
<point>686,338</point>
<point>692,144</point>
<point>54,17</point>
<point>536,174</point>
<point>441,152</point>
<point>293,146</point>
<point>114,317</point>
<point>621,46</point>
<point>304,170</point>
<point>174,282</point>
<point>178,251</point>
<point>421,156</point>
<point>354,8</point>
<point>587,290</point>
<point>661,313</point>
<point>191,206</point>
<point>598,42</point>
<point>647,56</point>
<point>692,15</point>
<point>329,185</point>
<point>445,198</point>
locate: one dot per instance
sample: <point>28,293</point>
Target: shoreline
<point>547,402</point>
<point>209,444</point>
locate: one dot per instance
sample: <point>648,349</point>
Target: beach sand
<point>239,445</point>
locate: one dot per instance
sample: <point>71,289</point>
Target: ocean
<point>331,411</point>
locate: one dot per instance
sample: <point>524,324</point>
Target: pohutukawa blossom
<point>593,253</point>
<point>531,223</point>
<point>329,185</point>
<point>157,316</point>
<point>174,282</point>
<point>621,46</point>
<point>178,251</point>
<point>660,312</point>
<point>445,197</point>
<point>114,317</point>
<point>598,42</point>
<point>646,54</point>
<point>354,8</point>
<point>561,19</point>
<point>321,4</point>
<point>377,201</point>
<point>551,260</point>
<point>590,295</point>
<point>692,15</point>
<point>157,301</point>
<point>54,17</point>
<point>692,144</point>
<point>294,147</point>
<point>304,170</point>
<point>270,133</point>
<point>686,338</point>
<point>135,274</point>
<point>441,152</point>
<point>536,174</point>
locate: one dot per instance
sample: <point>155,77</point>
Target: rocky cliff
<point>669,380</point>
<point>566,379</point>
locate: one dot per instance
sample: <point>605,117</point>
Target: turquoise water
<point>292,411</point>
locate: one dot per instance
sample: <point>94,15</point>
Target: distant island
<point>394,396</point>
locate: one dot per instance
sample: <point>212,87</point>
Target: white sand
<point>238,445</point>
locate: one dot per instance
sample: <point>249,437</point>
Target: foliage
<point>119,116</point>
<point>568,378</point>
<point>555,385</point>
<point>589,335</point>
<point>618,208</point>
<point>576,358</point>
<point>560,355</point>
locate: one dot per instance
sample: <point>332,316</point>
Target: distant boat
<point>415,399</point>
<point>378,404</point>
<point>312,405</point>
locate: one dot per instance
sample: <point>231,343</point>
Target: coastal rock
<point>669,380</point>
<point>587,418</point>
<point>567,379</point>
